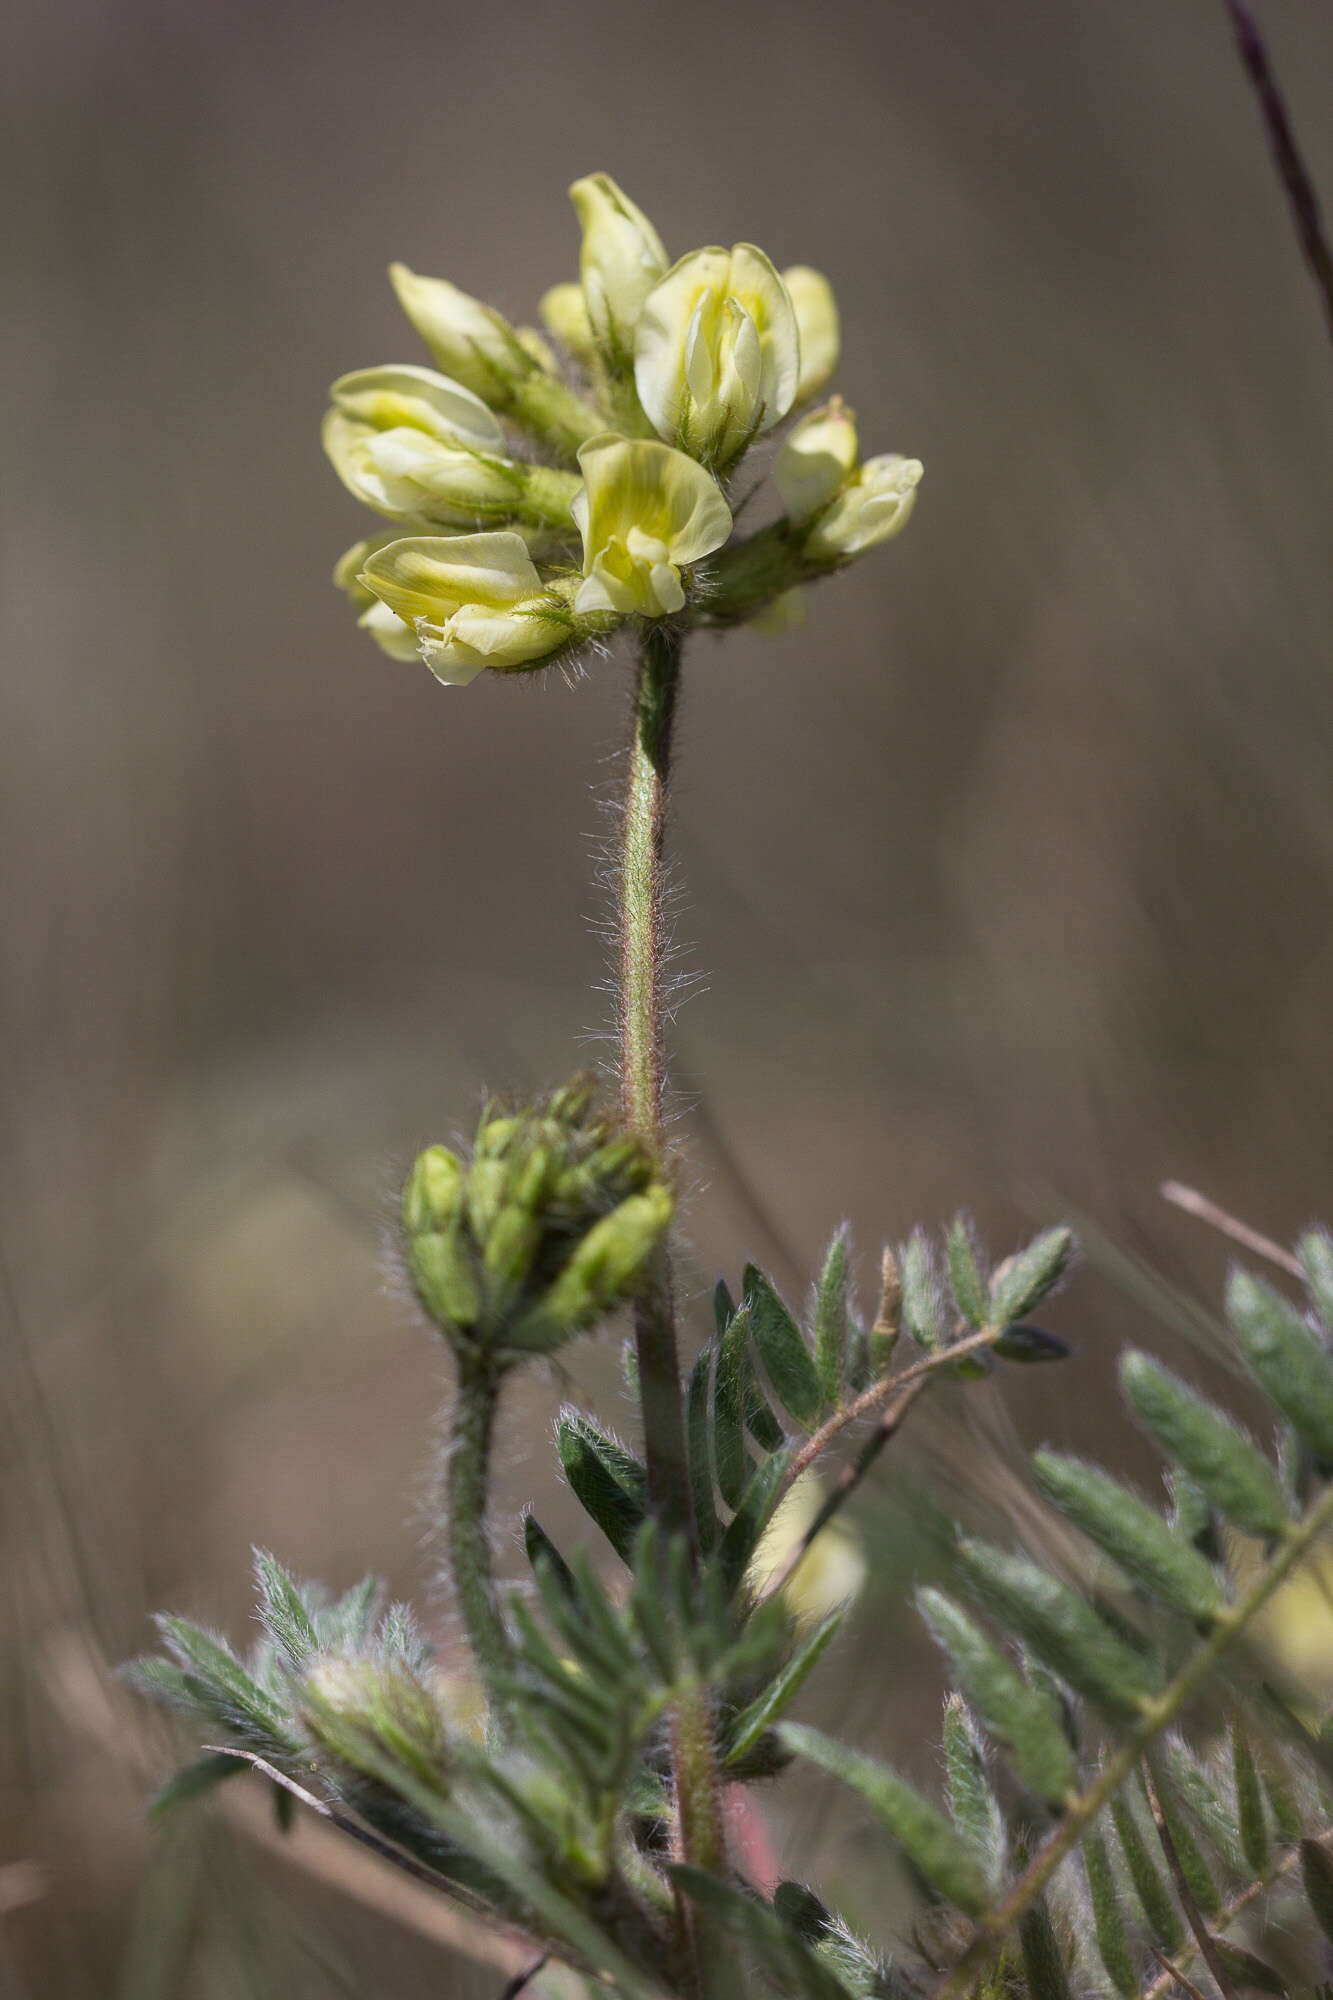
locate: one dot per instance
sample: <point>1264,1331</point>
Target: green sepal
<point>831,1323</point>
<point>1226,1464</point>
<point>1131,1533</point>
<point>936,1851</point>
<point>783,1351</point>
<point>1107,1916</point>
<point>609,1481</point>
<point>1016,1715</point>
<point>1286,1360</point>
<point>781,1691</point>
<point>1061,1628</point>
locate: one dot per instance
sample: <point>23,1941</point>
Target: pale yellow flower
<point>474,601</point>
<point>622,259</point>
<point>818,456</point>
<point>645,511</point>
<point>716,352</point>
<point>870,508</point>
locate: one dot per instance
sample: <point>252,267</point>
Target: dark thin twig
<point>344,1823</point>
<point>1198,1204</point>
<point>1301,197</point>
<point>520,1979</point>
<point>1174,1972</point>
<point>1193,1915</point>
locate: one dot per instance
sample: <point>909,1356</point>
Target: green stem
<point>471,1428</point>
<point>700,1827</point>
<point>1157,1716</point>
<point>642,949</point>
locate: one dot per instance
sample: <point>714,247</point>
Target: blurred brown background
<point>1007,875</point>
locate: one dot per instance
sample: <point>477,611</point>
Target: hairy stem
<point>643,1068</point>
<point>700,1830</point>
<point>1156,1717</point>
<point>472,1424</point>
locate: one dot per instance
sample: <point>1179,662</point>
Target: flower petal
<point>432,576</point>
<point>420,397</point>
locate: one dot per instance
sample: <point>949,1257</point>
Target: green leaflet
<point>1249,1971</point>
<point>751,1723</point>
<point>740,1538</point>
<point>1251,1821</point>
<point>608,1480</point>
<point>832,1328</point>
<point>699,1450</point>
<point>286,1619</point>
<point>972,1803</point>
<point>1043,1961</point>
<point>936,1851</point>
<point>1030,1346</point>
<point>193,1781</point>
<point>1230,1469</point>
<point>539,1548</point>
<point>1317,1877</point>
<point>1023,1280</point>
<point>1130,1532</point>
<point>233,1696</point>
<point>1285,1359</point>
<point>1061,1628</point>
<point>1016,1715</point>
<point>777,1945</point>
<point>969,1287</point>
<point>922,1305</point>
<point>732,1464</point>
<point>783,1351</point>
<point>1193,1867</point>
<point>1163,1920</point>
<point>1107,1916</point>
<point>1315,1251</point>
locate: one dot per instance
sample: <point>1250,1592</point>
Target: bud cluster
<point>542,499</point>
<point>549,1227</point>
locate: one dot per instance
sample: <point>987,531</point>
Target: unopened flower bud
<point>470,341</point>
<point>871,507</point>
<point>352,1704</point>
<point>817,325</point>
<point>622,260</point>
<point>434,1191</point>
<point>604,1269</point>
<point>445,1278</point>
<point>566,315</point>
<point>818,456</point>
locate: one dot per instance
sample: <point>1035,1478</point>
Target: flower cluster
<point>492,462</point>
<point>547,1229</point>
